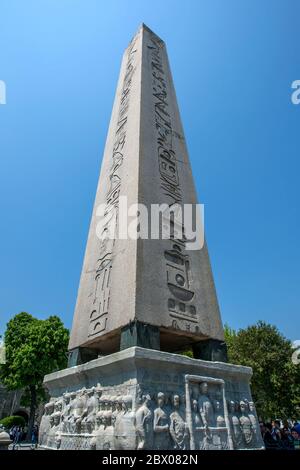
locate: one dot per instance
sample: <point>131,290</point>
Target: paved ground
<point>21,446</point>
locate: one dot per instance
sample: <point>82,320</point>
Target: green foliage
<point>34,348</point>
<point>188,353</point>
<point>276,380</point>
<point>11,421</point>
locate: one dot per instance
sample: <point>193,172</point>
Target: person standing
<point>18,435</point>
<point>34,435</point>
<point>269,441</point>
<point>295,431</point>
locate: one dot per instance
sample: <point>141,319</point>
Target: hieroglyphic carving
<point>178,269</point>
<point>101,289</point>
<point>179,273</point>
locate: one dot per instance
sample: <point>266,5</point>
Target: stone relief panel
<point>244,424</point>
<point>207,414</point>
<point>164,412</point>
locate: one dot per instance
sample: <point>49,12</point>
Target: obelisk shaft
<point>159,285</point>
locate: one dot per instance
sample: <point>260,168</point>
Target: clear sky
<point>233,63</point>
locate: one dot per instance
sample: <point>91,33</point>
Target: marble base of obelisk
<point>146,399</point>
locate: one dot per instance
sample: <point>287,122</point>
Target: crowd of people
<point>281,435</point>
<point>18,434</point>
<point>277,435</point>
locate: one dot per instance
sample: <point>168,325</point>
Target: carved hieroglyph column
<point>151,293</point>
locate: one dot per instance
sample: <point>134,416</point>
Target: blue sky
<point>233,63</point>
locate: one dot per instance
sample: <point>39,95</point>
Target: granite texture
<point>156,282</point>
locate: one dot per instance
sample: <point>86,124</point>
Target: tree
<point>34,348</point>
<point>11,421</point>
<point>275,383</point>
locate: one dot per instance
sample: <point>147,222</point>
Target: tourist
<point>34,435</point>
<point>18,436</point>
<point>269,441</point>
<point>287,440</point>
<point>295,431</point>
<point>12,432</point>
<point>276,430</point>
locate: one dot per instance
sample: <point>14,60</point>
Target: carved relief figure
<point>197,422</point>
<point>195,391</point>
<point>108,434</point>
<point>178,427</point>
<point>107,403</point>
<point>125,435</point>
<point>236,431</point>
<point>69,420</point>
<point>222,434</point>
<point>220,420</point>
<point>253,421</point>
<point>57,429</point>
<point>97,439</point>
<point>58,405</point>
<point>205,406</point>
<point>66,411</point>
<point>161,425</point>
<point>144,424</point>
<point>101,403</point>
<point>117,408</point>
<point>206,413</point>
<point>89,414</point>
<point>51,434</point>
<point>246,426</point>
<point>45,423</point>
<point>78,409</point>
<point>54,438</point>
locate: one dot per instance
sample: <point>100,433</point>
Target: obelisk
<point>145,292</point>
<point>143,300</point>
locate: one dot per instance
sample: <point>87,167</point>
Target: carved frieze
<point>189,412</point>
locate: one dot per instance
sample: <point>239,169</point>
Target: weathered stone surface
<point>155,282</point>
<point>5,440</point>
<point>146,399</point>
